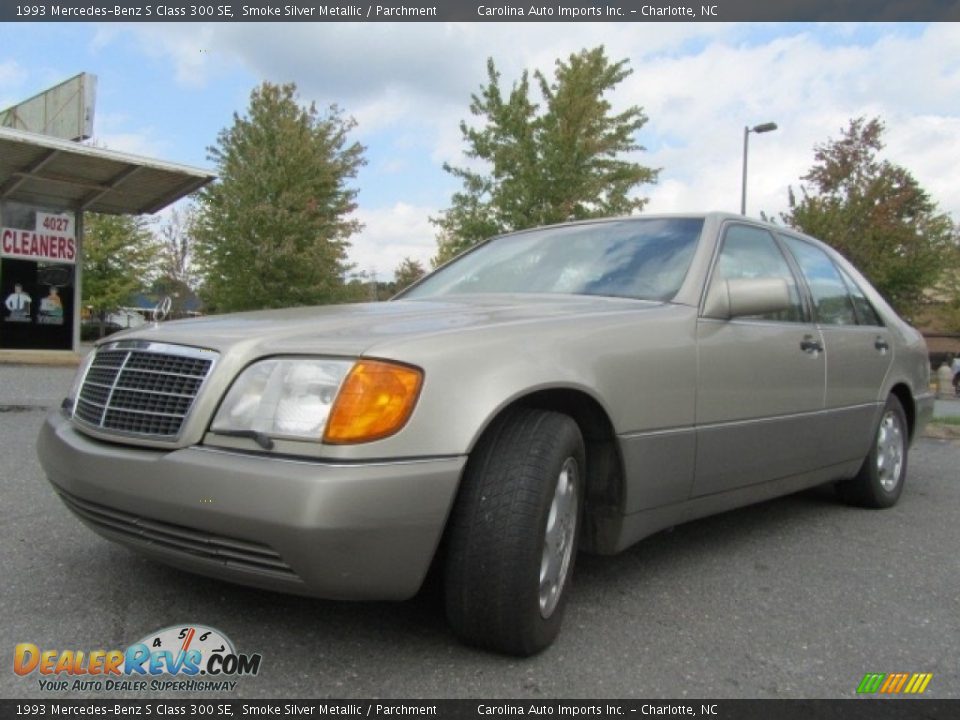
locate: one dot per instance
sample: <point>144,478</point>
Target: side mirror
<point>746,296</point>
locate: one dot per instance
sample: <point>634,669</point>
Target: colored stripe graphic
<point>918,683</point>
<point>894,683</point>
<point>871,683</point>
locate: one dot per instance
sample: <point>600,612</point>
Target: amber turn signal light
<point>375,401</point>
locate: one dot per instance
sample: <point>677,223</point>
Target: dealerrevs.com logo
<point>186,658</point>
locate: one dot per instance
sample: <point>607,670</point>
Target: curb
<point>942,431</point>
<point>50,358</point>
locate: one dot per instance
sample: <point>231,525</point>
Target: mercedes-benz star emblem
<point>162,309</point>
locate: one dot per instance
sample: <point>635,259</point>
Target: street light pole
<point>765,127</point>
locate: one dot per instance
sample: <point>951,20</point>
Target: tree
<point>407,273</point>
<point>876,214</point>
<point>272,232</point>
<point>176,246</point>
<point>545,164</point>
<point>119,256</point>
<point>946,303</point>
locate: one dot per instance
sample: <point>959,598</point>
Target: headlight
<point>336,401</point>
<point>282,397</point>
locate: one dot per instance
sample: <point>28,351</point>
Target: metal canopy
<point>65,175</point>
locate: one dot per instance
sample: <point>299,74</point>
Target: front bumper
<point>363,531</point>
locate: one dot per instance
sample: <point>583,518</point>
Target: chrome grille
<point>145,389</point>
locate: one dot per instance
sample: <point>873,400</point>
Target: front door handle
<point>810,345</point>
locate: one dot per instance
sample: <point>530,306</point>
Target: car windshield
<point>646,259</point>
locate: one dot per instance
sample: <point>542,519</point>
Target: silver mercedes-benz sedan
<point>571,387</point>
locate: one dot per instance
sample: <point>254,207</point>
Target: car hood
<point>357,329</point>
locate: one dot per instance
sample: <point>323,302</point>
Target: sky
<point>166,90</point>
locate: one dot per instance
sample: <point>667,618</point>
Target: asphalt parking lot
<point>795,598</point>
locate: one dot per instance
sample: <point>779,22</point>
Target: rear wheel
<point>514,532</point>
<point>880,480</point>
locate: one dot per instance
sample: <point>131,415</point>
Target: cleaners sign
<point>53,239</point>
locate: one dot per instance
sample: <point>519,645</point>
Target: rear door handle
<point>881,344</point>
<point>810,345</point>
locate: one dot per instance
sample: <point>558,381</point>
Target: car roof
<point>717,215</point>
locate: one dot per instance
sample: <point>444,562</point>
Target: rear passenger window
<point>751,252</point>
<point>831,300</point>
<point>866,315</point>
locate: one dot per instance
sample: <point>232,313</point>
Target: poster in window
<point>37,310</point>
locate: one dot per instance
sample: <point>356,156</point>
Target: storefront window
<point>38,255</point>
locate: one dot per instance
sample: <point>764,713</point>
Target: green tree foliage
<point>119,256</point>
<point>545,163</point>
<point>363,286</point>
<point>947,297</point>
<point>876,214</point>
<point>407,273</point>
<point>272,232</point>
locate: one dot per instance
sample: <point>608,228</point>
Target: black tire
<point>497,533</point>
<point>884,470</point>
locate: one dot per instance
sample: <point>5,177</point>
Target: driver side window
<point>751,252</point>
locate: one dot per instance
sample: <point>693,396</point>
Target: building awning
<point>61,174</point>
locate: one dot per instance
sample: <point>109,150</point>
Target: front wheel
<point>880,480</point>
<point>514,531</point>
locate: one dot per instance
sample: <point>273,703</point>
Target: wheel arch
<point>902,392</point>
<point>604,476</point>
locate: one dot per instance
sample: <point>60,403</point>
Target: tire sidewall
<point>496,532</point>
<point>541,631</point>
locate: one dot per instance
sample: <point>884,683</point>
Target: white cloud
<point>114,131</point>
<point>391,234</point>
<point>11,74</point>
<point>194,50</point>
<point>702,101</point>
<point>349,62</point>
<point>929,147</point>
<point>385,73</point>
<point>698,83</point>
<point>18,83</point>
